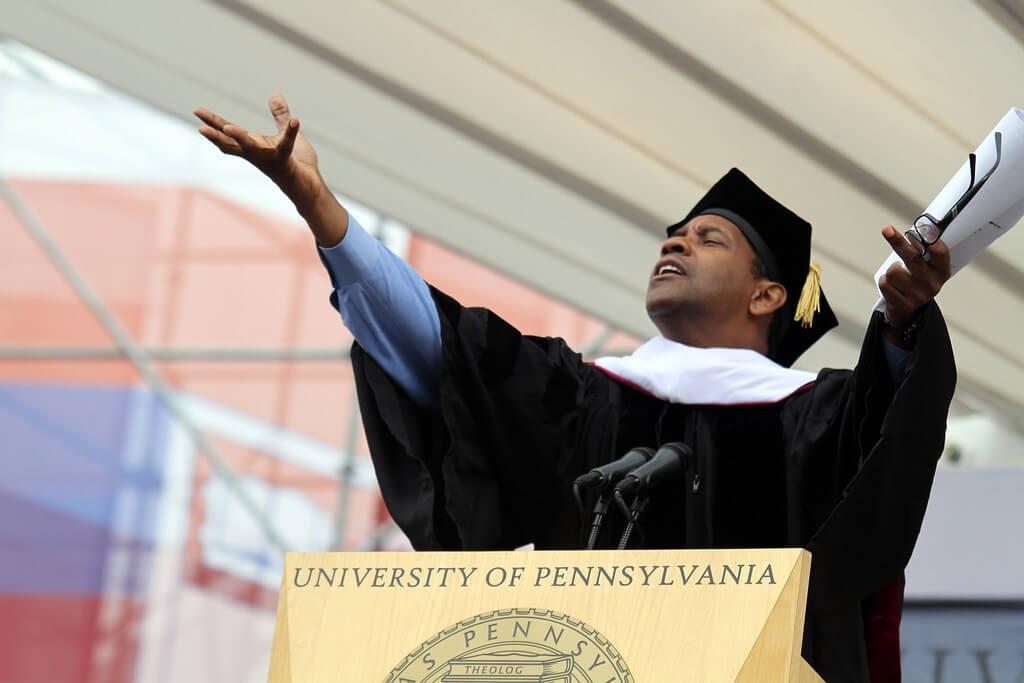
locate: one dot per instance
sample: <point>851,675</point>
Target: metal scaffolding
<point>138,358</point>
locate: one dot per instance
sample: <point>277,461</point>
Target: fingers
<point>267,153</point>
<point>899,280</point>
<point>941,261</point>
<point>897,309</point>
<point>244,140</point>
<point>214,131</point>
<point>287,126</point>
<point>223,142</point>
<point>910,285</point>
<point>279,109</point>
<point>287,142</point>
<point>211,119</point>
<point>909,253</point>
<point>228,137</point>
<point>899,306</point>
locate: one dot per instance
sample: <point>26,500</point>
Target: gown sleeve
<point>493,469</point>
<point>861,457</point>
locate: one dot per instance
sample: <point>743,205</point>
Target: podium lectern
<point>635,616</point>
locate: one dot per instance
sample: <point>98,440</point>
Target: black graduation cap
<point>783,242</point>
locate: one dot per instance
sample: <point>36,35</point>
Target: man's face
<point>705,271</point>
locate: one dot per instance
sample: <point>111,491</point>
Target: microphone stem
<point>599,512</point>
<point>624,541</point>
<point>594,529</point>
<point>639,503</point>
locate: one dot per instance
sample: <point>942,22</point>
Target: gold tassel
<point>810,297</point>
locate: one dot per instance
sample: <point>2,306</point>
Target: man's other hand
<point>287,158</point>
<point>909,285</point>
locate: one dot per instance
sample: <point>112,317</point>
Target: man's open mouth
<point>668,270</point>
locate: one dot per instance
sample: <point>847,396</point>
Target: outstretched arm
<point>383,301</point>
<point>388,308</point>
<point>289,160</point>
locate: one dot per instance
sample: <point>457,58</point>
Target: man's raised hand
<point>287,158</point>
<point>908,286</point>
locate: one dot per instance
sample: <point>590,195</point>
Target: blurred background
<point>176,403</point>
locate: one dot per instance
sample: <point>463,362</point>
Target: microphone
<point>666,464</point>
<point>603,478</point>
<point>608,475</point>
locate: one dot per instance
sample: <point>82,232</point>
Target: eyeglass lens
<point>927,231</point>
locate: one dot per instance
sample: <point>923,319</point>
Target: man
<point>478,431</point>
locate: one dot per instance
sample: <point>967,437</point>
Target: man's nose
<point>675,244</point>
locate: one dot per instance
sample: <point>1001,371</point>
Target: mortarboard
<point>783,242</point>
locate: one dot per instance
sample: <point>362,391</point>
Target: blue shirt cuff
<point>354,258</point>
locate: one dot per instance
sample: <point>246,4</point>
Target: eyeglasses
<point>927,229</point>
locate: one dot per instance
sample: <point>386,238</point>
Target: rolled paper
<point>997,207</point>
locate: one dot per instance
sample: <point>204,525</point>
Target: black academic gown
<point>843,468</point>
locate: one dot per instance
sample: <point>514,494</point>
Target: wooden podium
<point>643,616</point>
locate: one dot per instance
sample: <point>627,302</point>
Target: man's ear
<point>767,298</point>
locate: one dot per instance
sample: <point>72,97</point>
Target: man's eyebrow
<point>705,229</point>
<point>702,229</point>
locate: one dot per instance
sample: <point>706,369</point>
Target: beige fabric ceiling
<point>553,140</point>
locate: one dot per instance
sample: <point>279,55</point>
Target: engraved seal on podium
<point>520,645</point>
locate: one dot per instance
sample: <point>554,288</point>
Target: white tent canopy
<point>555,140</point>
